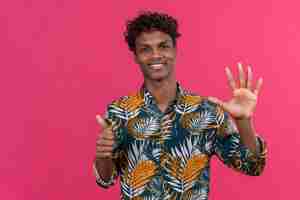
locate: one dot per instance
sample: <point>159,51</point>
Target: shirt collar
<point>149,99</point>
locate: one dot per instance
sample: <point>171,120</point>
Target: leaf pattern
<point>165,156</point>
<point>142,128</point>
<point>184,165</point>
<point>140,170</point>
<point>128,107</point>
<point>187,104</point>
<point>198,122</point>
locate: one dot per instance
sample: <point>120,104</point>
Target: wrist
<point>243,119</point>
<point>243,123</point>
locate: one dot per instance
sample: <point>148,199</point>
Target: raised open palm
<point>244,97</point>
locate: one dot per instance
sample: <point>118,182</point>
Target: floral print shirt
<point>166,155</point>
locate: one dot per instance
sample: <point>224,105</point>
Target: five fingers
<point>243,81</point>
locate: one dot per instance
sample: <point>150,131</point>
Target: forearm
<point>104,167</point>
<point>247,133</point>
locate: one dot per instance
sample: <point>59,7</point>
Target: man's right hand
<point>106,139</point>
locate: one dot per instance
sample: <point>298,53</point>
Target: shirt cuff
<point>261,150</point>
<point>100,181</point>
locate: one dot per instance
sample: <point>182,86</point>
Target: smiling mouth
<point>156,66</point>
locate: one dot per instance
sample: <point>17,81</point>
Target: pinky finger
<point>258,86</point>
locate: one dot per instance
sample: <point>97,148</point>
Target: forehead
<point>152,38</point>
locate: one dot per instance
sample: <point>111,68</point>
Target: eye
<point>144,49</point>
<point>165,46</point>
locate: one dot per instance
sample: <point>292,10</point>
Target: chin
<point>158,78</point>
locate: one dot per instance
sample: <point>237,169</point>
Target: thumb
<point>101,121</point>
<point>216,101</point>
<point>221,103</point>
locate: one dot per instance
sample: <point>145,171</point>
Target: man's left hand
<point>244,100</point>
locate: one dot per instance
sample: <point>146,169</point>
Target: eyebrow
<point>162,42</point>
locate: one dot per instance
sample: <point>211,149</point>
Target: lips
<point>156,66</point>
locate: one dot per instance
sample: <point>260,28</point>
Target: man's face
<point>156,55</point>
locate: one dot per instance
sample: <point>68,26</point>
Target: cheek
<point>171,58</point>
<point>172,54</point>
<point>140,60</point>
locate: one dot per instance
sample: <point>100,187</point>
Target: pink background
<point>64,60</point>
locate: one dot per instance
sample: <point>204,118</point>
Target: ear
<point>136,60</point>
<point>175,49</point>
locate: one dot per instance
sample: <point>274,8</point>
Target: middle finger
<point>241,76</point>
<point>250,77</point>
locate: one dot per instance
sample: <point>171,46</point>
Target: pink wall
<point>64,60</point>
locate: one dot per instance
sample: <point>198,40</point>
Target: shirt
<point>166,155</point>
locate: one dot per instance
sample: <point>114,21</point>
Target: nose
<point>156,53</point>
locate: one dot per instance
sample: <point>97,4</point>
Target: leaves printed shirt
<point>166,155</point>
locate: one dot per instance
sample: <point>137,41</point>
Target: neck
<point>163,91</point>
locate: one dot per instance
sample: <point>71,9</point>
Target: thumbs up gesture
<point>106,140</point>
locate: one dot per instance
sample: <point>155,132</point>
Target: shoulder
<point>131,100</point>
<point>191,98</point>
<point>126,106</point>
<point>188,98</point>
<point>204,104</point>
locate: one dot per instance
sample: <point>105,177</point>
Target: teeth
<point>156,66</point>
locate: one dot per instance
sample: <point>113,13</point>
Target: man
<point>160,140</point>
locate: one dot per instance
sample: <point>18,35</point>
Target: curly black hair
<point>148,21</point>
